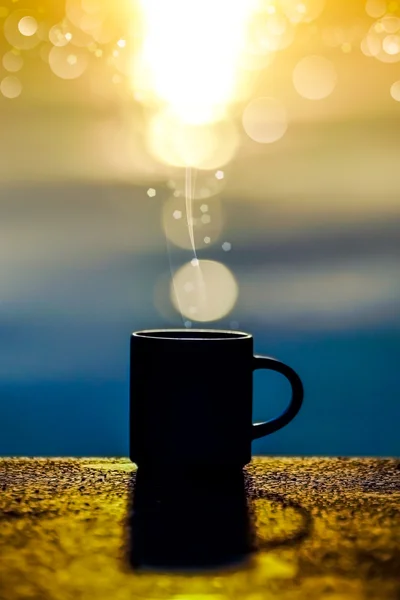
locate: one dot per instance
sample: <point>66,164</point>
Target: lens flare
<point>20,30</point>
<point>11,87</point>
<point>12,62</point>
<point>206,221</point>
<point>265,120</point>
<point>375,8</point>
<point>58,35</point>
<point>395,91</point>
<point>28,26</point>
<point>189,55</point>
<point>383,40</point>
<point>204,290</point>
<point>176,143</point>
<point>207,184</point>
<point>299,11</point>
<point>314,77</point>
<point>67,62</point>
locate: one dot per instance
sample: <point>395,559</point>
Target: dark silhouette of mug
<point>191,397</point>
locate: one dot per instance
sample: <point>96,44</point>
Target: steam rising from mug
<point>187,73</point>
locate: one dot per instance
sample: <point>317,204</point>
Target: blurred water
<point>351,405</point>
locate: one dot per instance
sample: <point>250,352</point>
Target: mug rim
<point>199,335</point>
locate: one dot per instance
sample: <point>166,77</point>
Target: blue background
<point>70,307</point>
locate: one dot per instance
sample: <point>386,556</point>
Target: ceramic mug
<point>191,398</point>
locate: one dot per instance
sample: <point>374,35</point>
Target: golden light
<point>207,146</point>
<point>20,30</point>
<point>12,62</point>
<point>268,32</point>
<point>28,26</point>
<point>189,55</point>
<point>303,10</point>
<point>256,58</point>
<point>94,18</point>
<point>58,36</point>
<point>364,47</point>
<point>265,120</point>
<point>277,33</point>
<point>383,40</point>
<point>390,23</point>
<point>375,8</point>
<point>391,44</point>
<point>206,184</point>
<point>204,291</point>
<point>67,63</point>
<point>395,91</point>
<point>11,87</point>
<point>206,222</point>
<point>314,77</point>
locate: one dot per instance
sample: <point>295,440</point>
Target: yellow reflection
<point>375,8</point>
<point>94,18</point>
<point>11,87</point>
<point>383,40</point>
<point>59,35</point>
<point>204,290</point>
<point>265,120</point>
<point>395,91</point>
<point>67,62</point>
<point>180,144</point>
<point>189,55</point>
<point>276,33</point>
<point>314,77</point>
<point>20,30</point>
<point>206,222</point>
<point>268,31</point>
<point>28,26</point>
<point>390,24</point>
<point>391,44</point>
<point>299,11</point>
<point>12,62</point>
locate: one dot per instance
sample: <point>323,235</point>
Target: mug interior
<point>192,334</point>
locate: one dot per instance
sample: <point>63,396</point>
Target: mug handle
<point>264,362</point>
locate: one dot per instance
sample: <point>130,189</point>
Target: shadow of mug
<point>189,520</point>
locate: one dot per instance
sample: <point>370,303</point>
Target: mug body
<point>190,398</point>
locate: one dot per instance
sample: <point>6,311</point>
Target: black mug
<point>191,397</point>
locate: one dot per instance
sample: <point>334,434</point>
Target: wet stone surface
<point>323,528</point>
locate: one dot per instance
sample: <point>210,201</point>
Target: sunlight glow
<point>180,144</point>
<point>176,68</point>
<point>204,290</point>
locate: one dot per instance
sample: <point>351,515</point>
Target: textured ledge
<point>326,529</point>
